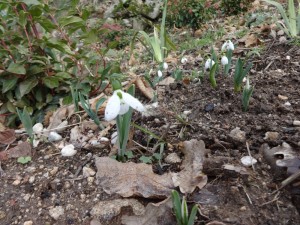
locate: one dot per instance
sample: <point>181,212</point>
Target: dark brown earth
<point>28,192</point>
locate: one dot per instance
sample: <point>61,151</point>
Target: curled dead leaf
<point>144,87</point>
<point>130,179</point>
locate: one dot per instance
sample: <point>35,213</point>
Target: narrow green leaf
<point>177,206</point>
<point>16,68</point>
<point>99,103</point>
<point>193,215</point>
<point>26,121</point>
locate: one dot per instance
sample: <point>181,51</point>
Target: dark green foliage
<point>46,49</point>
<point>190,13</point>
<point>234,7</point>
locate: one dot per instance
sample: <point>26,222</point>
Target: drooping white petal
<point>159,73</point>
<point>113,107</point>
<point>209,64</point>
<point>133,102</point>
<point>165,65</point>
<point>224,60</point>
<point>230,45</point>
<point>124,107</point>
<point>224,47</point>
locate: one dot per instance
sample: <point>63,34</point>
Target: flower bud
<point>165,66</point>
<point>159,73</point>
<point>224,60</point>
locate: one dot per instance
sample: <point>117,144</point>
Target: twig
<point>269,202</point>
<point>290,179</point>
<point>250,156</point>
<point>249,199</point>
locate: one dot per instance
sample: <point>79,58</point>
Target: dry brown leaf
<point>3,156</point>
<point>131,179</point>
<point>251,40</point>
<point>167,81</point>
<point>144,87</point>
<point>155,214</point>
<point>132,61</point>
<point>107,210</point>
<point>21,150</point>
<point>7,136</point>
<point>2,127</point>
<point>171,60</point>
<point>191,175</point>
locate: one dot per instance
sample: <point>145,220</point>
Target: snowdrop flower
<point>119,103</point>
<point>165,65</point>
<point>224,60</point>
<point>228,45</point>
<point>209,64</point>
<point>184,60</point>
<point>159,73</point>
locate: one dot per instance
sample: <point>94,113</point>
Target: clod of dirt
<point>271,136</point>
<point>155,214</point>
<point>191,175</point>
<point>172,158</point>
<point>130,179</point>
<point>238,135</point>
<point>106,210</point>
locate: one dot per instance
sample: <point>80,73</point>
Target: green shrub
<point>44,51</point>
<point>190,13</point>
<point>234,7</point>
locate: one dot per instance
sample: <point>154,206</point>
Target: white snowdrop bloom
<point>184,60</point>
<point>54,136</point>
<point>38,128</point>
<point>209,64</point>
<point>68,150</point>
<point>228,45</point>
<point>224,60</point>
<point>165,65</point>
<point>159,73</point>
<point>119,103</point>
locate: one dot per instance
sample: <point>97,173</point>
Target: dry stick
<point>290,179</point>
<point>250,156</point>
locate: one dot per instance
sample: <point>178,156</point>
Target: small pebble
<point>31,179</point>
<point>53,136</point>
<point>243,208</point>
<point>282,97</point>
<point>272,136</point>
<point>88,172</point>
<point>68,151</point>
<point>54,171</point>
<point>16,182</point>
<point>248,161</point>
<point>238,135</point>
<point>296,123</point>
<point>28,222</point>
<point>56,212</point>
<point>27,197</point>
<point>172,158</point>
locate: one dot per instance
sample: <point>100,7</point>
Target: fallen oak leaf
<point>7,136</point>
<point>191,175</point>
<point>131,179</point>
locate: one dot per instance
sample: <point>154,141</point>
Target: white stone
<point>53,136</point>
<point>248,161</point>
<point>31,179</point>
<point>88,172</point>
<point>68,151</point>
<point>296,122</point>
<point>56,212</point>
<point>29,222</point>
<point>38,128</point>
